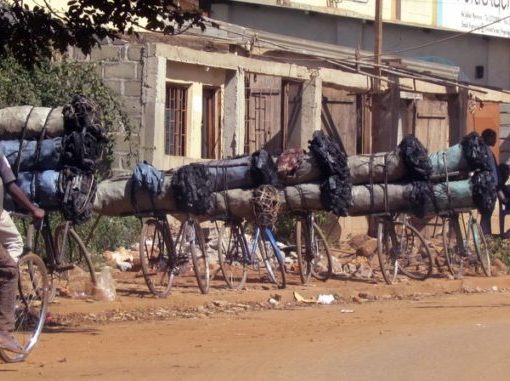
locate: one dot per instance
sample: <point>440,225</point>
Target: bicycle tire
<point>411,259</point>
<point>417,262</point>
<point>192,233</point>
<point>31,305</point>
<point>451,248</point>
<point>232,256</point>
<point>76,253</point>
<point>155,250</point>
<point>274,265</point>
<point>322,268</point>
<point>482,251</point>
<point>385,253</point>
<point>304,266</point>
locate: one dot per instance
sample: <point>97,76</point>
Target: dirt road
<point>447,336</point>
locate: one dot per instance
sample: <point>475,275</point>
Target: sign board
<point>465,15</point>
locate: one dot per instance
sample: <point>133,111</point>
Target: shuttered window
<point>176,110</point>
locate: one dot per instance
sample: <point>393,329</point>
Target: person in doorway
<point>489,137</point>
<point>11,247</point>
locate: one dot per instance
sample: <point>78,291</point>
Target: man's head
<point>489,137</point>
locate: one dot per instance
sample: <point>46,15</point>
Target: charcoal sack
<point>41,188</point>
<point>34,155</point>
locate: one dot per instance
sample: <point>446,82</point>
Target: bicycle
<point>162,258</point>
<point>31,304</point>
<point>401,248</point>
<point>62,252</point>
<point>461,240</point>
<point>312,249</point>
<point>237,256</point>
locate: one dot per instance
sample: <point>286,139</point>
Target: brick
<point>105,53</point>
<point>123,70</point>
<point>132,106</point>
<point>132,88</point>
<point>134,53</point>
<point>115,85</point>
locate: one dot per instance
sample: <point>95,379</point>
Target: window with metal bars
<point>176,110</point>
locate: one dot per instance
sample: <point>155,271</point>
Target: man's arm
<point>19,196</point>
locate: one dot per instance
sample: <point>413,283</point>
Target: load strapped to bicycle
<point>400,246</point>
<point>54,153</point>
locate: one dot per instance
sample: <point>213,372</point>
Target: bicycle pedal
<point>64,267</point>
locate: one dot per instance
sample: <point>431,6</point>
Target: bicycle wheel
<point>416,260</point>
<point>322,264</point>
<point>232,255</point>
<point>274,264</point>
<point>452,234</point>
<point>193,244</point>
<point>304,264</point>
<point>155,250</point>
<point>480,246</point>
<point>388,250</point>
<point>31,305</point>
<point>402,248</point>
<point>71,251</point>
<point>314,257</point>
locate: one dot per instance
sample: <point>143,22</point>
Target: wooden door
<point>431,124</point>
<point>263,118</point>
<point>340,117</point>
<point>211,146</point>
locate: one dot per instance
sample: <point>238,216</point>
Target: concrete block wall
<point>120,66</point>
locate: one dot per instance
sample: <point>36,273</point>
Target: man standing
<point>489,137</point>
<point>9,241</point>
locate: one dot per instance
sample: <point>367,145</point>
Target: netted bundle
<point>416,159</point>
<point>266,205</point>
<point>263,168</point>
<point>420,196</point>
<point>84,138</point>
<point>336,195</point>
<point>475,152</point>
<point>330,157</point>
<point>192,189</point>
<point>78,191</point>
<point>484,191</point>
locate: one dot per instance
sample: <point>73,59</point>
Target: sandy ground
<point>433,330</point>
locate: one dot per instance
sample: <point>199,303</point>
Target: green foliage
<point>110,233</point>
<point>34,33</point>
<point>285,227</point>
<point>53,84</point>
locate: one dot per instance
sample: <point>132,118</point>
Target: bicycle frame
<point>267,235</point>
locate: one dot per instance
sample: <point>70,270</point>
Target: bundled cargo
<point>40,187</point>
<point>410,162</point>
<point>194,184</point>
<point>113,198</point>
<point>55,155</point>
<point>30,155</point>
<point>28,122</point>
<point>66,191</point>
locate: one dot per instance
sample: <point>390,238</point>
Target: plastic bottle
<point>106,285</point>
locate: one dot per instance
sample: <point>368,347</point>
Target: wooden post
<point>378,42</point>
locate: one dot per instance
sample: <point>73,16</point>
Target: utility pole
<point>378,42</point>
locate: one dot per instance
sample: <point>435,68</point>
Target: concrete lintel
<point>426,87</point>
<point>232,62</point>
